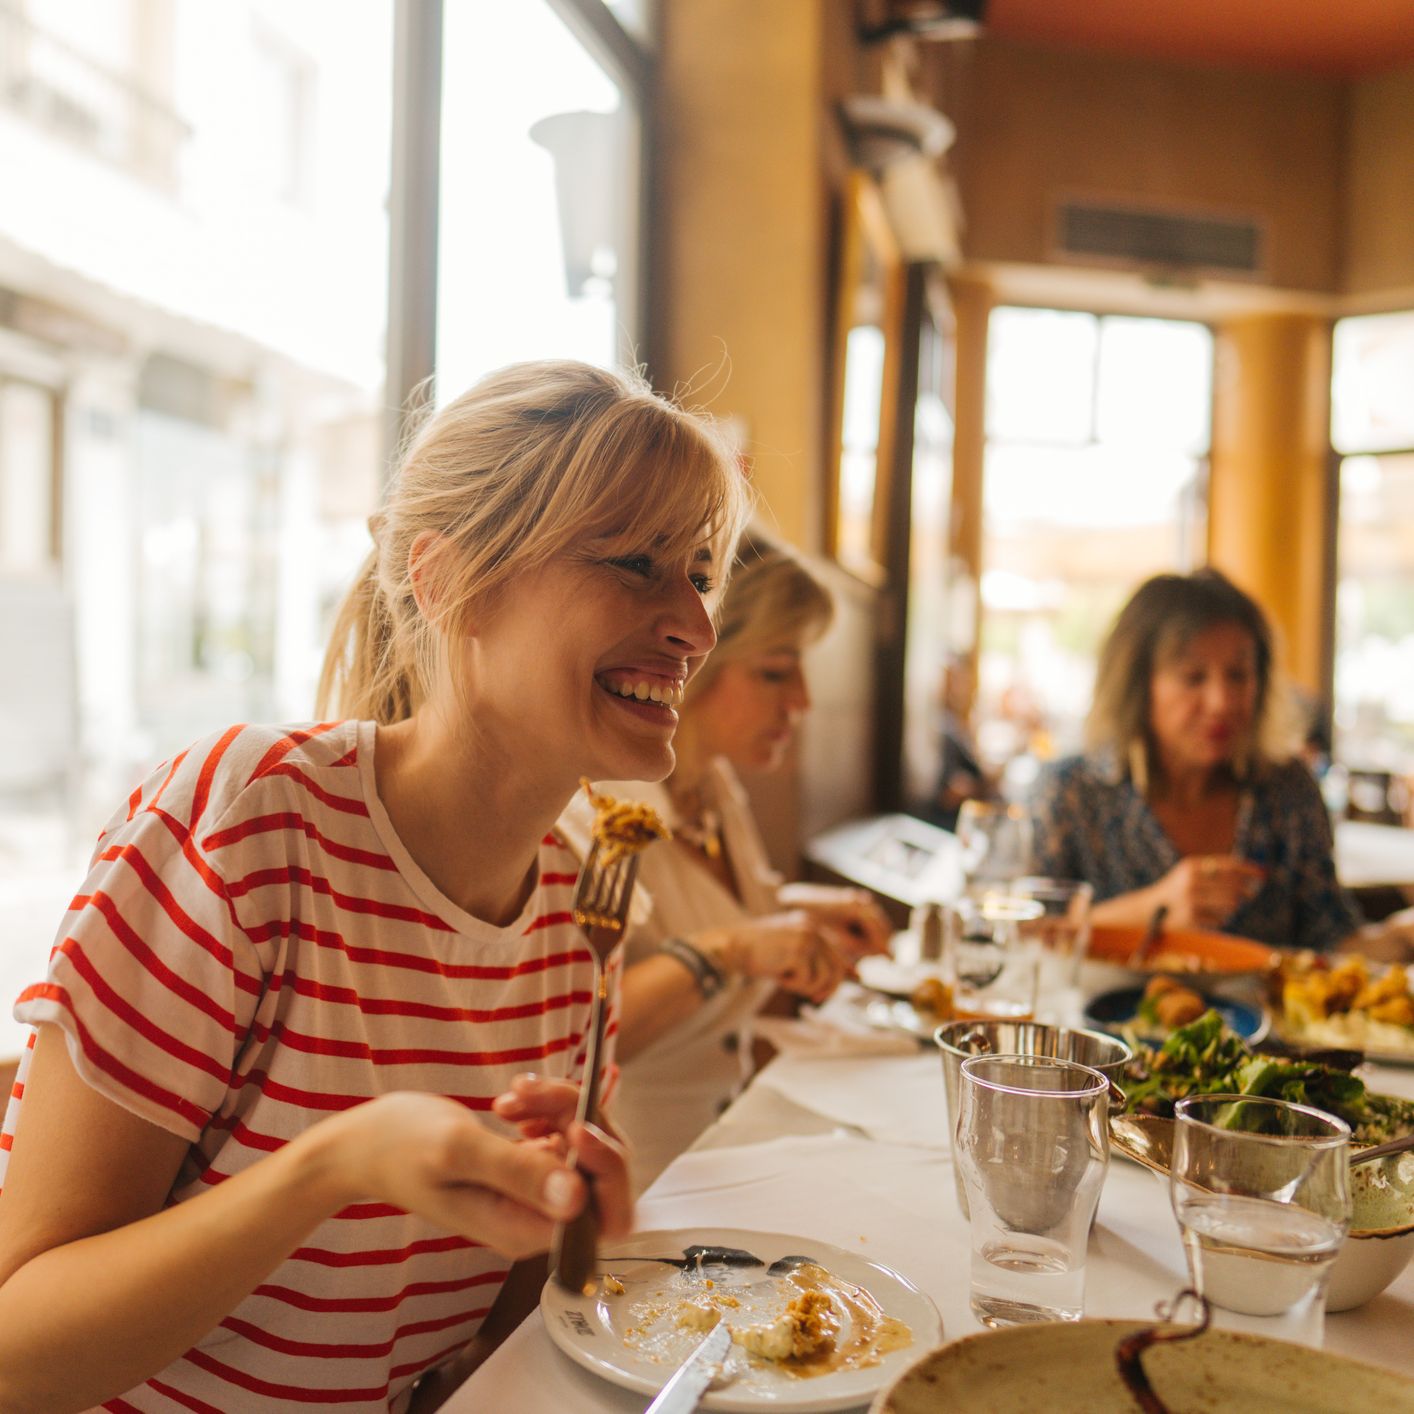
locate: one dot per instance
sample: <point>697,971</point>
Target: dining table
<point>842,1139</point>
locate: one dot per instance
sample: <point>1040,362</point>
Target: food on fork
<point>623,827</point>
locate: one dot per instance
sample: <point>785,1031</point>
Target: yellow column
<point>1268,495</point>
<point>741,240</point>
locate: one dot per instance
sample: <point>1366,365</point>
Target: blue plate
<point>1114,1011</point>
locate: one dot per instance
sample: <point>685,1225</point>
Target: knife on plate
<point>683,1392</point>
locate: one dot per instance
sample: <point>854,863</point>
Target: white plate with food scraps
<point>887,975</point>
<point>790,1350</point>
<point>882,1013</point>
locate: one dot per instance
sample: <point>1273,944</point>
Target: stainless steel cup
<point>956,1040</point>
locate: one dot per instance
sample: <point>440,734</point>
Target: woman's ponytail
<point>364,674</point>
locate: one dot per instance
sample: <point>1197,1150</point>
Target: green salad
<point>1205,1058</point>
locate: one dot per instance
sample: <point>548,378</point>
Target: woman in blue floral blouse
<point>1185,797</point>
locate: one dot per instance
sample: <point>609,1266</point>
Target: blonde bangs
<point>654,476</point>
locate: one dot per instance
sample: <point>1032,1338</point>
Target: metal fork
<point>600,907</point>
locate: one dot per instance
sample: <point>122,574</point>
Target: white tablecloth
<point>853,1152</point>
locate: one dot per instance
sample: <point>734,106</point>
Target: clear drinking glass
<point>995,841</point>
<point>1062,933</point>
<point>1032,1146</point>
<point>1261,1191</point>
<point>957,1040</point>
<point>988,962</point>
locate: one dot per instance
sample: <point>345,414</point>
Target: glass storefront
<point>1098,432</point>
<point>1372,429</point>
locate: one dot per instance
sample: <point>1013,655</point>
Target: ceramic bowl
<point>1068,1368</point>
<point>1118,1012</point>
<point>1368,1262</point>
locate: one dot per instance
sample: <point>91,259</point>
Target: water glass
<point>957,1040</point>
<point>1261,1191</point>
<point>1032,1145</point>
<point>1063,931</point>
<point>995,841</point>
<point>988,962</point>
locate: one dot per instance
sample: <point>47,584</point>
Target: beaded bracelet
<point>709,977</point>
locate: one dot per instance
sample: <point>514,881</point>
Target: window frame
<point>414,196</point>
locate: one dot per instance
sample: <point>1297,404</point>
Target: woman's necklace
<point>703,833</point>
<point>699,825</point>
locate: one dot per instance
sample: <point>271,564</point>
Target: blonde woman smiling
<point>274,1147</point>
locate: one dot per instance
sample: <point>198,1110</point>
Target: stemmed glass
<point>988,961</point>
<point>995,840</point>
<point>1062,935</point>
<point>1261,1191</point>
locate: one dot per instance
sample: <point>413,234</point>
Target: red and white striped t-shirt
<point>254,949</point>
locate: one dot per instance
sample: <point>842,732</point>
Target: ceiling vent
<point>1135,237</point>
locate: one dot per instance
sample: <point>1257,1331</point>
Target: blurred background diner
<point>1191,804</point>
<point>1007,307</point>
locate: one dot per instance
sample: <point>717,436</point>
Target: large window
<point>192,404</point>
<point>193,302</point>
<point>539,220</point>
<point>1095,477</point>
<point>1372,429</point>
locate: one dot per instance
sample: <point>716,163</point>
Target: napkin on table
<point>892,1099</point>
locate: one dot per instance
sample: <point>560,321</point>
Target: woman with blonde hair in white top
<point>715,932</point>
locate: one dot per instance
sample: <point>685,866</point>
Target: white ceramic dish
<point>892,978</point>
<point>1355,1037</point>
<point>591,1329</point>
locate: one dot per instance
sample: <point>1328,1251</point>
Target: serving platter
<point>1340,1038</point>
<point>1339,1017</point>
<point>629,1338</point>
<point>1195,955</point>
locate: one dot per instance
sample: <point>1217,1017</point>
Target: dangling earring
<point>1139,765</point>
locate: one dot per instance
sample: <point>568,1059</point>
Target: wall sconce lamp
<point>927,19</point>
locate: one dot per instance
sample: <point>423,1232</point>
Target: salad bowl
<point>1205,1058</point>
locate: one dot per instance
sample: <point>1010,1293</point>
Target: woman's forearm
<point>85,1321</point>
<point>657,994</point>
<point>1132,910</point>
